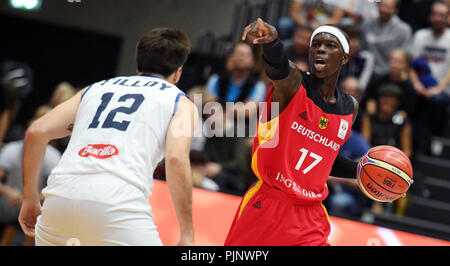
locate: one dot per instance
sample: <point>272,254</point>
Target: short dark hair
<point>162,51</point>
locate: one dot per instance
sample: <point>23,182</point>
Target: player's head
<point>329,51</point>
<point>162,51</point>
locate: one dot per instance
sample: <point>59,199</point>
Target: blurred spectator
<point>238,83</point>
<point>356,146</point>
<point>311,13</point>
<point>298,48</point>
<point>4,114</point>
<point>361,63</point>
<point>415,13</point>
<point>199,97</point>
<point>344,199</point>
<point>398,75</point>
<point>227,154</point>
<point>17,82</point>
<point>382,35</point>
<point>11,185</point>
<point>386,126</point>
<point>63,92</point>
<point>431,51</point>
<point>364,10</point>
<point>302,65</point>
<point>199,167</point>
<point>433,45</point>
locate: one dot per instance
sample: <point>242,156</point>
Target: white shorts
<point>89,223</point>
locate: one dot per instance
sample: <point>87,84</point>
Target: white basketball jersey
<point>118,139</point>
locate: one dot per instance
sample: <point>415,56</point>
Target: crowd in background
<point>398,71</point>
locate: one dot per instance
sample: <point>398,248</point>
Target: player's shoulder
<point>348,103</point>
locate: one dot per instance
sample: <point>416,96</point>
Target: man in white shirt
<point>433,45</point>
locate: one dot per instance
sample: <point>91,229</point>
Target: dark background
<point>55,54</point>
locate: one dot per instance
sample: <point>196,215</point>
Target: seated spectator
<point>433,46</point>
<point>4,114</point>
<point>17,79</point>
<point>11,185</point>
<point>228,165</point>
<point>238,83</point>
<point>386,126</point>
<point>199,167</point>
<point>398,75</point>
<point>350,85</point>
<point>311,13</point>
<point>298,48</point>
<point>382,35</point>
<point>361,62</point>
<point>345,199</point>
<point>198,95</point>
<point>62,93</point>
<point>364,10</point>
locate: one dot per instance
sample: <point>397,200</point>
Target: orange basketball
<point>384,173</point>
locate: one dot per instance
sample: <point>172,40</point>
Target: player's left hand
<point>28,215</point>
<point>259,32</point>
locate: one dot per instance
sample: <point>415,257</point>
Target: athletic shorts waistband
<point>278,193</point>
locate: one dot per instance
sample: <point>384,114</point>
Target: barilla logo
<point>100,151</point>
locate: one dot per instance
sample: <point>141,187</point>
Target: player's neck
<point>151,74</point>
<point>327,88</point>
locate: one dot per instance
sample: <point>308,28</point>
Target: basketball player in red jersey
<point>285,206</point>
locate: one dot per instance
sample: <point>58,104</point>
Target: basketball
<point>384,173</point>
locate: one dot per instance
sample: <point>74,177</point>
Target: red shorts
<point>268,217</point>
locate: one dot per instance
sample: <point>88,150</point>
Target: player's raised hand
<point>259,32</point>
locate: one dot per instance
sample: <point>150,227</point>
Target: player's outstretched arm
<point>178,169</point>
<point>285,75</point>
<point>57,123</point>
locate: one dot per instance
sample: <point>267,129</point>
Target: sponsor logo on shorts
<point>99,151</point>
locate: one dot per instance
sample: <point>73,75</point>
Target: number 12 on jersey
<point>305,152</point>
<point>109,121</point>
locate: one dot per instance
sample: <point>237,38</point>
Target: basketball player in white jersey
<point>120,130</point>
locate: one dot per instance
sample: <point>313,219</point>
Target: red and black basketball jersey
<point>294,152</point>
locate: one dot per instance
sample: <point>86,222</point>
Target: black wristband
<point>344,167</point>
<point>275,61</point>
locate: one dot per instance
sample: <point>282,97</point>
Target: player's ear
<point>177,74</point>
<point>345,58</point>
